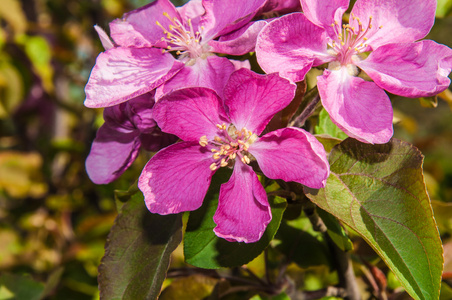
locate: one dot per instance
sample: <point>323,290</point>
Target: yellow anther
<point>246,146</point>
<point>213,167</point>
<point>381,26</point>
<point>217,139</point>
<point>365,38</point>
<point>168,47</point>
<point>245,160</point>
<point>216,155</point>
<point>234,144</point>
<point>178,52</point>
<point>223,163</point>
<point>356,49</point>
<point>203,141</point>
<point>233,155</point>
<point>165,14</point>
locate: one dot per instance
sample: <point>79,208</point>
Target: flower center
<point>349,42</point>
<point>229,144</point>
<point>185,41</point>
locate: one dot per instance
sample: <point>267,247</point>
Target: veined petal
<point>325,13</point>
<point>239,42</point>
<point>358,107</point>
<point>138,27</point>
<point>410,69</point>
<point>176,179</point>
<point>121,74</point>
<point>243,211</point>
<point>212,72</point>
<point>401,21</point>
<point>190,113</point>
<point>253,99</point>
<point>291,45</point>
<point>112,152</point>
<point>223,17</point>
<point>292,154</point>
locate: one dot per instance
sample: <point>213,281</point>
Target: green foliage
<point>327,127</point>
<point>137,252</point>
<point>202,248</point>
<point>379,191</point>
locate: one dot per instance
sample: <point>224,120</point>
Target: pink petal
<point>190,113</point>
<point>138,28</point>
<point>253,99</point>
<point>281,7</point>
<point>325,13</point>
<point>401,21</point>
<point>193,9</point>
<point>243,211</point>
<point>238,64</point>
<point>291,45</point>
<point>121,74</point>
<point>223,17</point>
<point>176,179</point>
<point>292,154</point>
<point>239,42</point>
<point>156,139</point>
<point>104,38</point>
<point>113,151</point>
<point>212,72</point>
<point>360,108</point>
<point>410,69</point>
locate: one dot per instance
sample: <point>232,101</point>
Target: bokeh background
<point>53,220</point>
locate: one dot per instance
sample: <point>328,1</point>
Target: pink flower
<point>128,127</point>
<point>388,29</point>
<point>219,133</point>
<point>141,58</point>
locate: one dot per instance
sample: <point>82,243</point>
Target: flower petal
<point>112,152</point>
<point>358,107</point>
<point>401,21</point>
<point>253,99</point>
<point>190,113</point>
<point>156,140</point>
<point>138,28</point>
<point>291,45</point>
<point>410,69</point>
<point>281,7</point>
<point>239,42</point>
<point>243,211</point>
<point>292,154</point>
<point>212,72</point>
<point>176,179</point>
<point>325,13</point>
<point>223,17</point>
<point>121,74</point>
<point>104,38</point>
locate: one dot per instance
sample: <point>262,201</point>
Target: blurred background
<point>53,220</point>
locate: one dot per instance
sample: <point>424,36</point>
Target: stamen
<point>203,141</point>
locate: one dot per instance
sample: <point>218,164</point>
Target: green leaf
<point>379,191</point>
<point>326,126</point>
<point>137,252</point>
<point>443,8</point>
<point>335,231</point>
<point>202,248</point>
<point>20,287</point>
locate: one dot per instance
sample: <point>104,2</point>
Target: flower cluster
<point>168,81</point>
